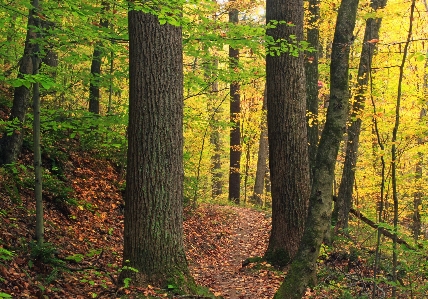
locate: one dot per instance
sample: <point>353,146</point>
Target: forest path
<point>229,235</point>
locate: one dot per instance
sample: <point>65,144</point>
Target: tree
<point>215,140</point>
<point>154,182</point>
<point>36,137</point>
<point>10,145</point>
<point>311,71</point>
<point>344,198</point>
<point>302,273</point>
<point>261,157</point>
<point>235,132</point>
<point>288,149</point>
<point>94,86</point>
<point>394,150</point>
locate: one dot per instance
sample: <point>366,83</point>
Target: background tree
<point>312,76</point>
<point>11,144</point>
<point>262,157</point>
<point>394,150</point>
<point>288,149</point>
<point>97,56</point>
<point>36,137</point>
<point>235,109</point>
<point>302,273</point>
<point>215,140</point>
<point>154,182</point>
<point>344,197</point>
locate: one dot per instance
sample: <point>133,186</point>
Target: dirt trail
<point>223,272</point>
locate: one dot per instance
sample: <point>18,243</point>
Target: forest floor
<point>84,240</point>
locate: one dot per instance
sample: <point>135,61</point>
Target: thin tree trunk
<point>381,205</point>
<point>110,89</point>
<point>287,135</point>
<point>311,68</point>
<point>235,132</point>
<point>344,198</point>
<point>94,85</point>
<point>10,145</point>
<point>302,273</point>
<point>36,141</point>
<point>417,199</point>
<point>216,174</point>
<point>394,151</point>
<point>261,157</point>
<point>153,234</point>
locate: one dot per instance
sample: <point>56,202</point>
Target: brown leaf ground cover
<point>86,240</point>
<point>234,234</point>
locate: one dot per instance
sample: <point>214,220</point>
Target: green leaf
<point>75,257</point>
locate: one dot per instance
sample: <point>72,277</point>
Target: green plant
<point>5,255</point>
<point>46,254</point>
<point>9,172</point>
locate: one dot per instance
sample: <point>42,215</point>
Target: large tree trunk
<point>261,157</point>
<point>311,69</point>
<point>10,145</point>
<point>287,135</point>
<point>153,235</point>
<point>235,132</point>
<point>344,198</point>
<point>302,273</point>
<point>94,85</point>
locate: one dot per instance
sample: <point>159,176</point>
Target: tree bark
<point>302,273</point>
<point>287,135</point>
<point>94,85</point>
<point>311,70</point>
<point>36,146</point>
<point>10,145</point>
<point>261,157</point>
<point>417,198</point>
<point>153,235</point>
<point>235,132</point>
<point>216,174</point>
<point>344,198</point>
<point>418,195</point>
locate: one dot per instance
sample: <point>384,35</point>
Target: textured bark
<point>36,143</point>
<point>311,70</point>
<point>10,146</point>
<point>419,194</point>
<point>288,147</point>
<point>235,132</point>
<point>302,273</point>
<point>216,174</point>
<point>261,158</point>
<point>37,158</point>
<point>97,56</point>
<point>344,198</point>
<point>153,235</point>
<point>417,199</point>
<point>51,56</point>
